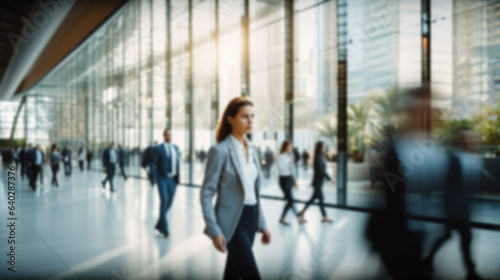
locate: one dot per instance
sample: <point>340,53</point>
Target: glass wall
<point>113,87</point>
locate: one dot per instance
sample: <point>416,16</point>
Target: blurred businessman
<point>36,158</point>
<point>164,169</point>
<point>121,160</point>
<point>109,159</point>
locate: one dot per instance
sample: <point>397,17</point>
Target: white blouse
<point>285,164</point>
<point>249,170</point>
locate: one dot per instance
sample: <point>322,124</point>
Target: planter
<point>358,157</point>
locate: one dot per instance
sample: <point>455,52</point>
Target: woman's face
<point>289,148</point>
<point>243,121</point>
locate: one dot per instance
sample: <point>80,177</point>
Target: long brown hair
<point>224,127</point>
<point>284,146</point>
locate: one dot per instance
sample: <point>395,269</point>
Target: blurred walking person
<point>109,159</point>
<point>23,158</point>
<point>165,167</point>
<point>269,158</point>
<point>55,159</point>
<point>286,169</point>
<point>464,175</point>
<point>90,155</point>
<point>67,158</point>
<point>81,158</point>
<point>36,158</point>
<point>122,157</point>
<point>305,159</point>
<point>319,177</point>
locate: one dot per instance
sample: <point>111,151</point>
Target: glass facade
<point>176,64</point>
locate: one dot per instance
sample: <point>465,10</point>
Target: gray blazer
<point>223,177</point>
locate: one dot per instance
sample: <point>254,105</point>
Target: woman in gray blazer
<point>232,173</point>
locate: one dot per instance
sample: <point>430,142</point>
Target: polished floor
<point>80,231</point>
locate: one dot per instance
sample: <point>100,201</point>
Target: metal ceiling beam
<point>31,48</point>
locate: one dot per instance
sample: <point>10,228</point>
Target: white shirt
<point>285,164</point>
<point>81,156</point>
<point>112,156</point>
<point>173,158</point>
<point>249,170</point>
<point>38,159</point>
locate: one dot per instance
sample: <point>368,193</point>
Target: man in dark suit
<point>35,157</point>
<point>464,175</point>
<point>66,156</point>
<point>305,159</point>
<point>147,157</point>
<point>121,161</point>
<point>164,169</point>
<point>27,152</point>
<point>269,157</point>
<point>89,158</point>
<point>109,159</point>
<point>7,157</point>
<point>23,160</point>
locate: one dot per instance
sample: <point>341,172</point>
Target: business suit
<point>54,164</point>
<point>109,164</point>
<point>35,168</point>
<point>121,161</point>
<point>161,167</point>
<point>230,217</point>
<point>66,154</point>
<point>23,159</point>
<point>318,178</point>
<point>286,181</point>
<point>457,206</point>
<point>388,232</point>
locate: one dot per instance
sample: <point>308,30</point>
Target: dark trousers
<point>67,168</point>
<point>267,170</point>
<point>286,184</point>
<point>240,262</point>
<point>110,173</point>
<point>88,164</point>
<point>166,190</point>
<point>55,169</point>
<point>80,164</point>
<point>122,169</point>
<point>318,194</point>
<point>465,240</point>
<point>23,170</point>
<point>29,167</point>
<point>35,169</point>
<point>41,174</point>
